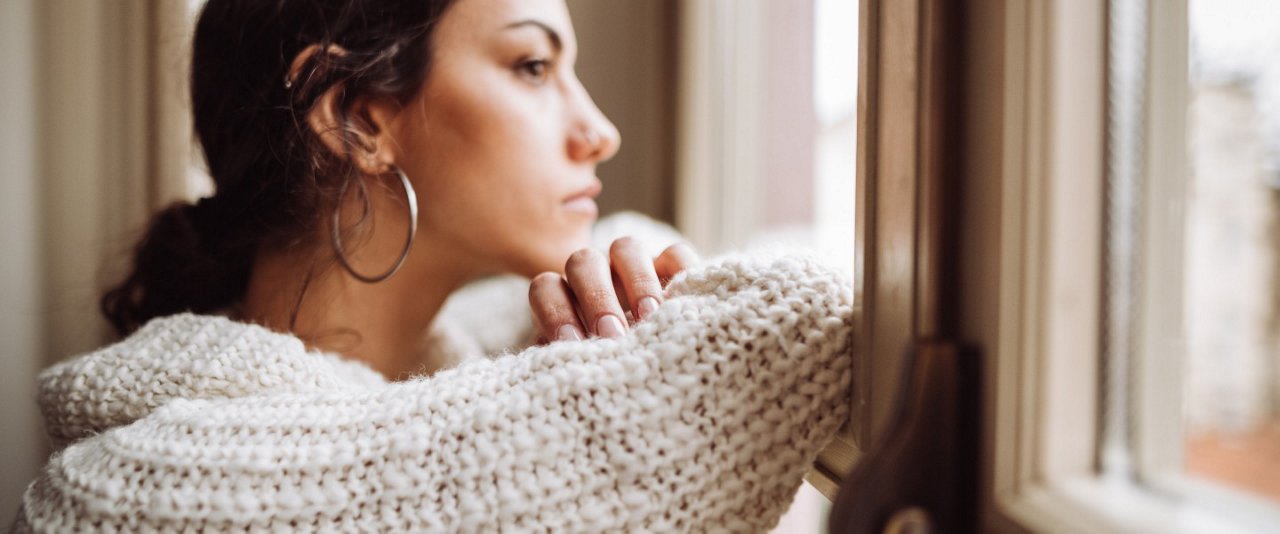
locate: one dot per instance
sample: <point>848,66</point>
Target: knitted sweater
<point>705,416</point>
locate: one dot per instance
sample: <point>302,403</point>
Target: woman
<point>370,158</point>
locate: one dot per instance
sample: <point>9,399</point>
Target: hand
<point>596,292</point>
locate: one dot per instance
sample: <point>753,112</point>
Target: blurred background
<point>1232,251</point>
<point>737,118</point>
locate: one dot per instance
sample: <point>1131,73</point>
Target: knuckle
<point>681,251</point>
<point>547,278</point>
<point>543,282</point>
<point>583,257</point>
<point>545,294</point>
<point>624,244</point>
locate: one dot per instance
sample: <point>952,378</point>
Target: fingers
<point>641,290</point>
<point>674,259</point>
<point>597,291</point>
<point>591,281</point>
<point>553,308</point>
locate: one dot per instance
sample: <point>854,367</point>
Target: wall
<point>20,346</point>
<point>87,132</point>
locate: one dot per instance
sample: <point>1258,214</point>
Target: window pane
<point>1232,292</point>
<point>770,124</point>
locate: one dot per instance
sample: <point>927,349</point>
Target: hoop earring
<point>336,235</point>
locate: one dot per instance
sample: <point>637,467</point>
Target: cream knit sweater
<point>703,418</point>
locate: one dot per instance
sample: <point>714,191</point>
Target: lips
<point>584,200</point>
<point>589,192</point>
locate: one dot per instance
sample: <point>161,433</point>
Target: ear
<point>362,133</point>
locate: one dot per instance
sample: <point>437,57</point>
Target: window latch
<point>921,476</point>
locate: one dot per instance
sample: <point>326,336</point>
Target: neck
<point>382,324</point>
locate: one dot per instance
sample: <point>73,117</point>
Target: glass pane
<point>1233,245</point>
<point>775,109</point>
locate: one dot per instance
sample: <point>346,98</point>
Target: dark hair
<point>273,177</point>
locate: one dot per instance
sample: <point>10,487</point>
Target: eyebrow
<point>551,34</point>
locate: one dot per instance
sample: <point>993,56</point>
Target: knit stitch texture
<point>704,417</point>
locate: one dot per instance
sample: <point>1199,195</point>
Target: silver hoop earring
<point>336,234</point>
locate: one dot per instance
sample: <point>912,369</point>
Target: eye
<point>534,69</point>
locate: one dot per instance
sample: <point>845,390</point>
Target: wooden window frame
<point>903,237</point>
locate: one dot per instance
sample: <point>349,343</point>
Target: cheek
<point>492,183</point>
<point>529,229</point>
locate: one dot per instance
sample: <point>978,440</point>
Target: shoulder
<point>183,356</point>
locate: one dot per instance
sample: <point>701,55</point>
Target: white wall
<point>20,280</point>
<point>83,149</point>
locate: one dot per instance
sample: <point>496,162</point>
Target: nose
<point>592,137</point>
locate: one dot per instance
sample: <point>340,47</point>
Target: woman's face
<point>503,141</point>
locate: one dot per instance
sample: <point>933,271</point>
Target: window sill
<point>1094,504</point>
<point>834,462</point>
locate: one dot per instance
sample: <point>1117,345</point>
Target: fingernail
<point>609,326</point>
<point>568,332</point>
<point>647,306</point>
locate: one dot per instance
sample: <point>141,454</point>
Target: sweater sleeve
<point>705,416</point>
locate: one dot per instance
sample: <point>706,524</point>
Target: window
<point>1128,292</point>
<point>767,106</point>
<point>1232,203</point>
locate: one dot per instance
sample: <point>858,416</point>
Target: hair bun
<point>178,266</point>
<point>175,229</point>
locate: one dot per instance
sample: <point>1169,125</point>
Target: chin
<point>552,256</point>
